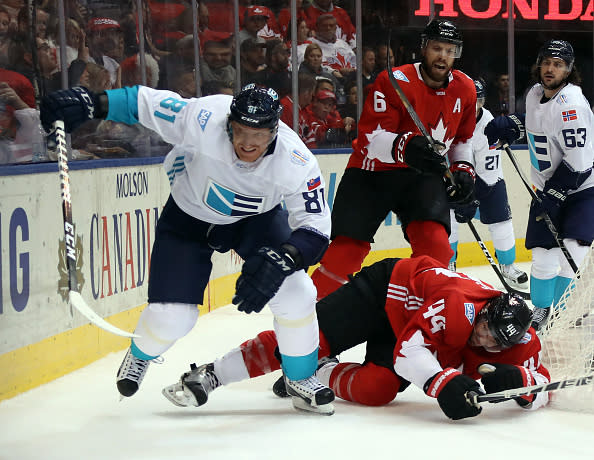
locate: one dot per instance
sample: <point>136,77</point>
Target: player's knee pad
<point>161,324</point>
<point>368,384</point>
<point>259,354</point>
<point>429,238</point>
<point>502,234</point>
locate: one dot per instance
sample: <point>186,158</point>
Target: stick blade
<point>79,303</point>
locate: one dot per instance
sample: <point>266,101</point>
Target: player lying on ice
<point>232,164</point>
<point>423,324</point>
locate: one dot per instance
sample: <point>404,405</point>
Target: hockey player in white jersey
<point>491,199</point>
<point>559,128</point>
<point>233,164</point>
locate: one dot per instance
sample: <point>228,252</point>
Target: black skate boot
<point>310,395</point>
<point>130,374</point>
<point>193,387</point>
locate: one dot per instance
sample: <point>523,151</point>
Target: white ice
<point>79,416</point>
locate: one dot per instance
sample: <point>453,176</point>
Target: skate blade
<point>323,409</point>
<point>177,395</point>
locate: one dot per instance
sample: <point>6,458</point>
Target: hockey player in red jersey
<point>393,167</point>
<point>421,323</point>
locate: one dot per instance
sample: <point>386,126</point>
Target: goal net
<point>568,340</point>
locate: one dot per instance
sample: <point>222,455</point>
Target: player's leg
<point>359,208</point>
<point>495,212</point>
<point>426,218</point>
<point>453,239</point>
<point>577,230</point>
<point>180,268</point>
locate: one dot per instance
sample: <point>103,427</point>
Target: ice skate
<point>280,389</point>
<point>540,317</point>
<point>131,373</point>
<point>452,266</point>
<point>514,275</point>
<point>193,387</point>
<point>310,395</point>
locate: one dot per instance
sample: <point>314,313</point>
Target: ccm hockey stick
<point>545,216</point>
<point>508,288</point>
<point>74,296</point>
<point>516,392</point>
<point>451,186</point>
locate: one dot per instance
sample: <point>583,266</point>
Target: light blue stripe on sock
<point>542,292</point>
<point>454,247</point>
<point>123,105</point>
<point>506,257</point>
<point>560,286</point>
<point>139,354</point>
<point>300,367</point>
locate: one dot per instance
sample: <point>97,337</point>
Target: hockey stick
<point>508,288</point>
<point>451,186</point>
<point>545,216</point>
<point>516,392</point>
<point>74,296</point>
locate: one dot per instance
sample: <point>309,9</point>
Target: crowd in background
<point>102,52</point>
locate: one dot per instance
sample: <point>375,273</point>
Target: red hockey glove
<point>416,152</point>
<point>451,387</point>
<point>500,377</point>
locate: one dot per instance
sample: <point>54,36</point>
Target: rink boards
<point>116,205</point>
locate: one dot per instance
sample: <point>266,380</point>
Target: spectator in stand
<point>328,129</point>
<point>41,22</point>
<point>277,75</point>
<point>217,87</point>
<point>324,83</point>
<point>254,20</point>
<point>181,60</point>
<point>312,64</point>
<point>205,34</point>
<point>95,77</point>
<point>5,36</point>
<point>284,20</point>
<point>350,108</point>
<point>19,119</point>
<point>132,75</point>
<point>345,30</point>
<point>368,72</point>
<point>336,53</point>
<point>75,40</point>
<point>103,35</point>
<point>270,29</point>
<point>497,101</point>
<point>381,58</point>
<point>216,62</point>
<point>306,85</point>
<point>184,84</point>
<point>252,58</point>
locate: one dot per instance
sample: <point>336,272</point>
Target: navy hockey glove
<point>74,106</point>
<point>464,175</point>
<point>506,128</point>
<point>450,387</point>
<point>465,213</point>
<point>551,198</point>
<point>499,377</point>
<point>261,277</point>
<point>416,152</point>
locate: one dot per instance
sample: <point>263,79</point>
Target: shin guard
<point>429,238</point>
<point>369,384</point>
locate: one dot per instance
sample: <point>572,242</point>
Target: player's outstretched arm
<point>74,106</point>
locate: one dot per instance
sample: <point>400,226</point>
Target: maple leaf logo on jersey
<point>338,61</point>
<point>439,133</point>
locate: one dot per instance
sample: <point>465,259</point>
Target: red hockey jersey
<point>433,312</point>
<point>448,114</point>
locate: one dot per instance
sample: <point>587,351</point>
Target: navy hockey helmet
<point>479,85</point>
<point>256,107</point>
<point>442,31</point>
<point>557,49</point>
<point>508,317</point>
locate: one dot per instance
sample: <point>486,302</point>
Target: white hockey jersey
<point>559,130</point>
<point>210,183</point>
<point>487,161</point>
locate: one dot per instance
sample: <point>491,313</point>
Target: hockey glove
<point>464,175</point>
<point>465,213</point>
<point>417,153</point>
<point>500,377</point>
<point>450,387</point>
<point>261,277</point>
<point>551,199</point>
<point>506,128</point>
<point>74,106</point>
